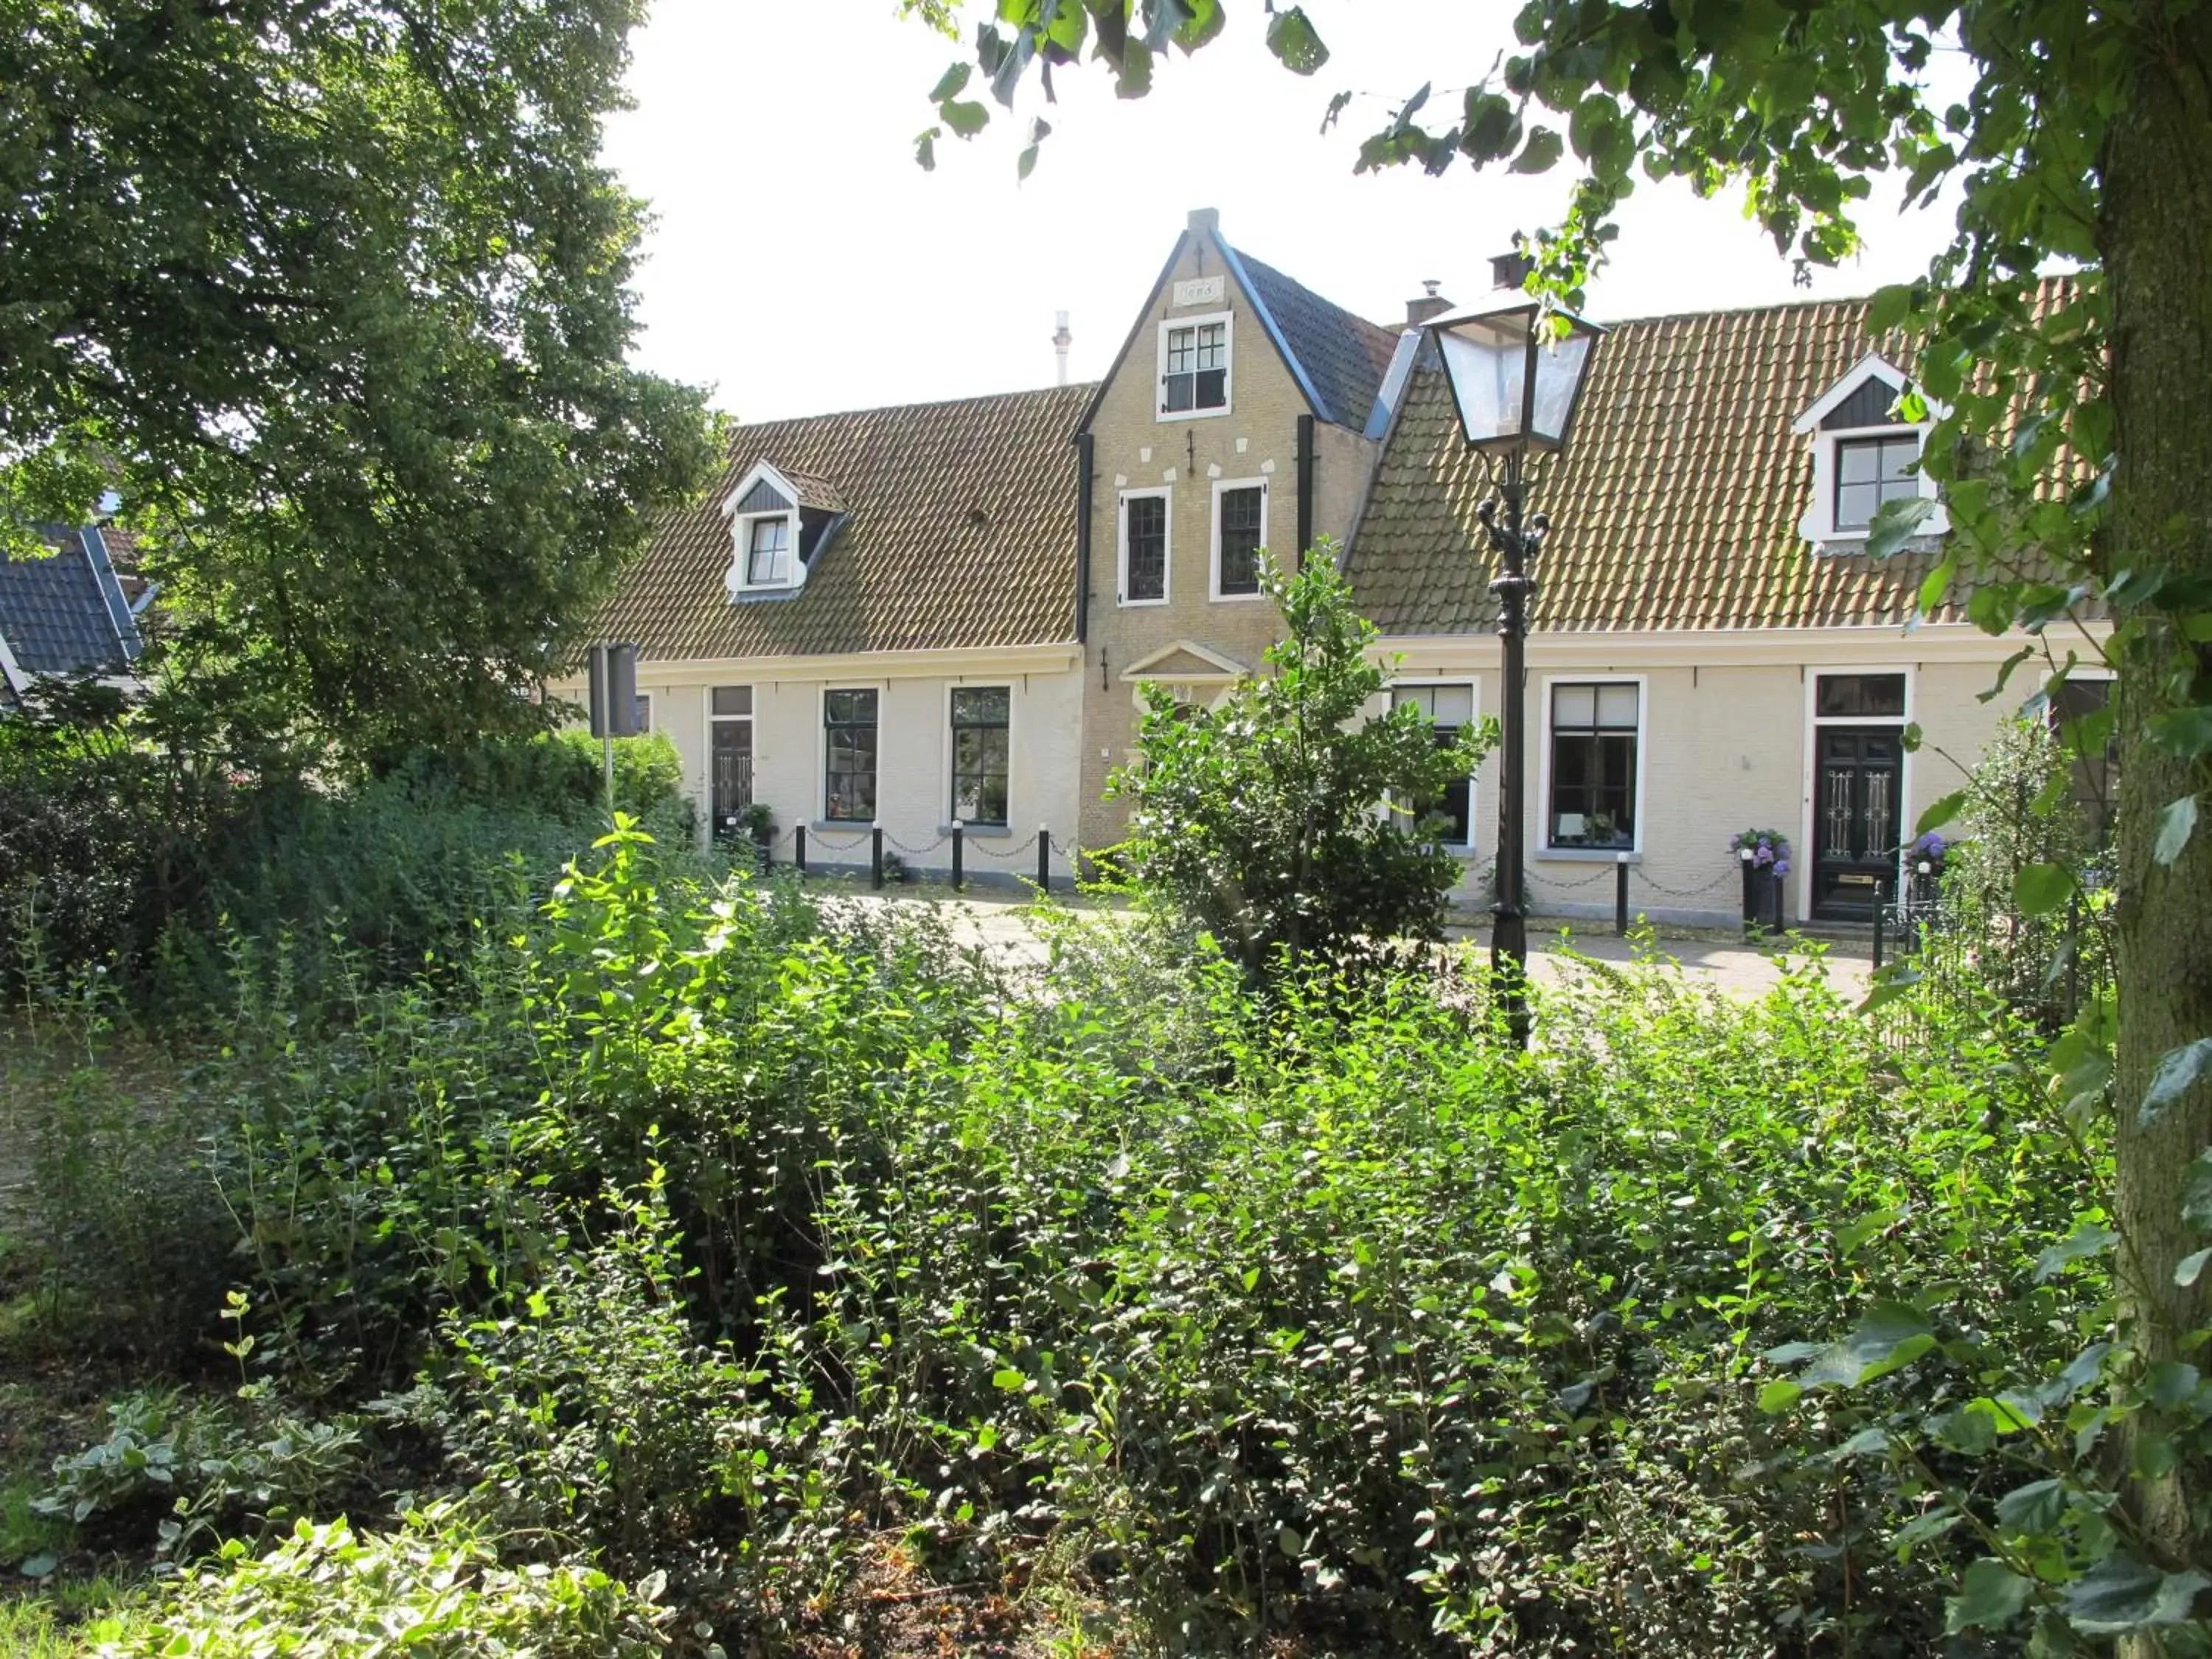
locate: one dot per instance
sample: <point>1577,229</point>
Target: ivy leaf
<point>1295,42</point>
<point>2040,888</point>
<point>1889,1334</point>
<point>2175,825</point>
<point>1991,1596</point>
<point>2177,1074</point>
<point>1897,523</point>
<point>2121,1594</point>
<point>1543,148</point>
<point>1940,812</point>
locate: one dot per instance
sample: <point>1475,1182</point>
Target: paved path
<point>1000,926</point>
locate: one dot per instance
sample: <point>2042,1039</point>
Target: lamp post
<point>1516,373</point>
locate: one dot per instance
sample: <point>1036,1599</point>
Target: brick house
<point>905,617</point>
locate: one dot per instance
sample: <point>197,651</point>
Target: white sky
<point>802,263</point>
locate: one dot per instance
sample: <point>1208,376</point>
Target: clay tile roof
<point>65,614</point>
<point>959,531</point>
<point>1343,357</point>
<point>1676,504</point>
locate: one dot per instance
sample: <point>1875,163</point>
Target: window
<point>1872,470</point>
<point>849,723</point>
<point>1240,531</point>
<point>641,713</point>
<point>1594,733</point>
<point>1860,696</point>
<point>732,754</point>
<point>768,552</point>
<point>1448,708</point>
<point>1144,547</point>
<point>2080,713</point>
<point>1194,366</point>
<point>979,753</point>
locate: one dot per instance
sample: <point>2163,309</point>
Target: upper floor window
<point>1872,470</point>
<point>1240,531</point>
<point>768,551</point>
<point>1865,455</point>
<point>1144,551</point>
<point>1194,366</point>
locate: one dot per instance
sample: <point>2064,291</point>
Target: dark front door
<point>1855,820</point>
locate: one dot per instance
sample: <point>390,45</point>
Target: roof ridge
<point>1041,392</point>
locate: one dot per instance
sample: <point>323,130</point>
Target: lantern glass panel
<point>1559,368</point>
<point>1487,359</point>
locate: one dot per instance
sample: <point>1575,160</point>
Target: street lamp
<point>1516,371</point>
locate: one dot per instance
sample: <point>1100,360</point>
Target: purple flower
<point>1782,866</point>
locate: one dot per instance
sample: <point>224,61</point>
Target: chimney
<point>1510,270</point>
<point>1207,219</point>
<point>1431,304</point>
<point>1062,339</point>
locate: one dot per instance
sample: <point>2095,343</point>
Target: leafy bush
<point>436,1585</point>
<point>1287,818</point>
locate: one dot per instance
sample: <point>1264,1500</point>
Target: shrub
<point>1285,819</point>
<point>328,1592</point>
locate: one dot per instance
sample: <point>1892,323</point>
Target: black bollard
<point>1620,895</point>
<point>875,856</point>
<point>957,837</point>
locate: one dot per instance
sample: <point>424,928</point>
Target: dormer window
<point>1194,366</point>
<point>768,551</point>
<point>1864,455</point>
<point>781,521</point>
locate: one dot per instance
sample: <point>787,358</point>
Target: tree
<point>1287,818</point>
<point>2087,136</point>
<point>333,293</point>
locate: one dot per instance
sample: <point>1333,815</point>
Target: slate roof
<point>65,614</point>
<point>959,532</point>
<point>1342,357</point>
<point>1676,504</point>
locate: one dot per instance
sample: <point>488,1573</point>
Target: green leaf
<point>1936,584</point>
<point>38,1567</point>
<point>1490,129</point>
<point>1779,1396</point>
<point>1888,1335</point>
<point>2087,1239</point>
<point>1295,42</point>
<point>1025,164</point>
<point>2121,1594</point>
<point>2186,732</point>
<point>1896,523</point>
<point>950,86</point>
<point>2191,1268</point>
<point>1991,1596</point>
<point>2040,888</point>
<point>2197,1191</point>
<point>925,150</point>
<point>1543,148</point>
<point>1007,1379</point>
<point>2178,1072</point>
<point>967,119</point>
<point>1940,812</point>
<point>2038,1506</point>
<point>2175,825</point>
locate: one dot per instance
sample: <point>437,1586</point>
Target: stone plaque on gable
<point>1201,291</point>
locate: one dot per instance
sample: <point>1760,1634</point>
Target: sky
<point>800,262</point>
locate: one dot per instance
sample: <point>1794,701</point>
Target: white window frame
<point>1166,494</point>
<point>739,580</point>
<point>1819,525</point>
<point>1196,320</point>
<point>1545,849</point>
<point>949,782</point>
<point>1266,525</point>
<point>1472,847</point>
<point>643,702</point>
<point>882,689</point>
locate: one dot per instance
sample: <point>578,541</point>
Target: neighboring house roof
<point>65,613</point>
<point>1675,505</point>
<point>1341,358</point>
<point>1338,359</point>
<point>959,532</point>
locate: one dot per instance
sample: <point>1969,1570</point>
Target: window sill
<point>1236,599</point>
<point>1587,855</point>
<point>748,595</point>
<point>1141,605</point>
<point>981,831</point>
<point>842,826</point>
<point>1166,415</point>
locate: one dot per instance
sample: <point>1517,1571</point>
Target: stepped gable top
<point>959,532</point>
<point>1676,505</point>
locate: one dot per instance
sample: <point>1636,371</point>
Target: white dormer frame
<point>1819,527</point>
<point>741,532</point>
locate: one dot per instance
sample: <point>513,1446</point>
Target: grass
<point>65,1620</point>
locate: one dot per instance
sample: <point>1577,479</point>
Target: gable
<point>1184,661</point>
<point>762,497</point>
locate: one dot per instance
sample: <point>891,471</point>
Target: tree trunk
<point>2156,239</point>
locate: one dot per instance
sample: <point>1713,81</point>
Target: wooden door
<point>1855,820</point>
